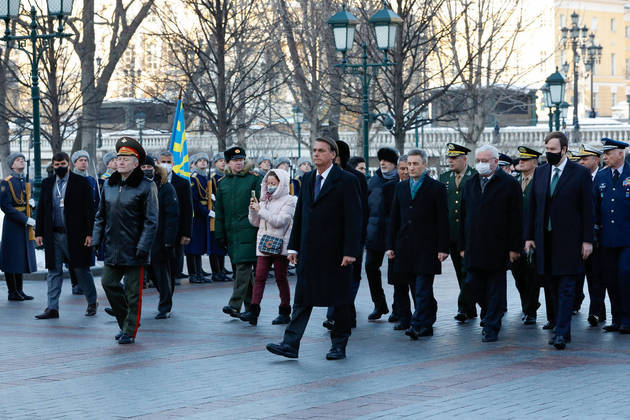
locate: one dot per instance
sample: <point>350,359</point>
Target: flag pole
<point>179,98</point>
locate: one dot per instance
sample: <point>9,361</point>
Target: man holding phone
<point>232,228</point>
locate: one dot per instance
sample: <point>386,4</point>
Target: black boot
<point>13,294</point>
<point>18,287</point>
<point>284,316</point>
<point>199,270</point>
<point>251,315</point>
<point>190,265</point>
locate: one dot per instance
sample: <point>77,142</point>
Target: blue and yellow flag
<point>179,146</point>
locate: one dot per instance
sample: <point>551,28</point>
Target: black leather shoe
<point>48,314</point>
<point>593,320</point>
<point>529,320</point>
<point>281,320</point>
<point>208,279</point>
<point>336,353</point>
<point>24,295</point>
<point>177,282</point>
<point>378,312</point>
<point>282,350</point>
<point>110,312</point>
<point>426,332</point>
<point>412,333</point>
<point>233,312</point>
<point>205,274</point>
<point>549,325</point>
<point>163,315</point>
<point>91,309</point>
<point>328,324</point>
<point>181,276</point>
<point>461,317</point>
<point>117,336</point>
<point>489,337</point>
<point>559,343</point>
<point>15,297</point>
<point>196,279</point>
<point>126,339</point>
<point>611,327</point>
<point>401,326</point>
<point>624,329</point>
<point>393,318</point>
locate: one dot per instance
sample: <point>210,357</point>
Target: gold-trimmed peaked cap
<point>454,150</point>
<point>128,146</point>
<point>525,153</point>
<point>588,150</point>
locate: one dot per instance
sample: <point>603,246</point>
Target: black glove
<point>141,254</point>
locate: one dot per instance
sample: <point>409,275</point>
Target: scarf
<point>390,175</point>
<point>415,185</point>
<point>18,175</point>
<point>82,173</point>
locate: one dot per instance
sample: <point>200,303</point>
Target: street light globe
<point>557,85</point>
<point>385,23</point>
<point>564,110</point>
<point>298,115</point>
<point>546,96</point>
<point>9,9</point>
<point>141,120</point>
<point>343,25</point>
<point>60,8</point>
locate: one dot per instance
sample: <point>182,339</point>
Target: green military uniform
<point>465,301</point>
<point>524,269</point>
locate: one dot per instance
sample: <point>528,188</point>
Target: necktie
<point>458,179</point>
<point>525,183</point>
<point>554,180</point>
<point>318,185</point>
<point>484,182</point>
<point>615,176</point>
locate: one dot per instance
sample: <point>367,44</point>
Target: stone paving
<point>200,364</point>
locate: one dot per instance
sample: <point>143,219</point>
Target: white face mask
<point>483,168</point>
<point>272,189</point>
<point>167,166</point>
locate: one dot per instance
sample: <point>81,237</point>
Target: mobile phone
<point>254,194</point>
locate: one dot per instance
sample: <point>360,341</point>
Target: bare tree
<point>5,141</point>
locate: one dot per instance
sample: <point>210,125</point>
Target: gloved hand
<point>211,214</point>
<point>213,197</point>
<point>31,203</point>
<point>141,254</point>
<point>30,222</point>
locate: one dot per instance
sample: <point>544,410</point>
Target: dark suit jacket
<point>324,231</point>
<point>184,200</point>
<point>363,196</point>
<point>571,210</point>
<point>79,214</point>
<point>419,228</point>
<point>492,222</point>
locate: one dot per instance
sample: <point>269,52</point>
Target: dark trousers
<point>404,285</point>
<point>578,294</point>
<point>563,290</point>
<point>616,271</point>
<point>465,300</point>
<point>373,262</point>
<point>160,273</point>
<point>596,286</point>
<point>527,282</point>
<point>126,303</point>
<point>281,268</point>
<point>176,263</point>
<point>243,286</point>
<point>489,290</point>
<point>339,335</point>
<point>14,282</point>
<point>425,303</point>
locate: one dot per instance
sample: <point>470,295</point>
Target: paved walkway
<point>202,364</point>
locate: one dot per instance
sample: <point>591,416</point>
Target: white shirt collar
<point>619,169</point>
<point>325,173</point>
<point>594,173</point>
<point>561,165</point>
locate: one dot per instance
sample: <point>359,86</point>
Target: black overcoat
<point>492,222</point>
<point>184,200</point>
<point>79,214</point>
<point>324,231</point>
<point>571,210</point>
<point>168,218</point>
<point>419,227</point>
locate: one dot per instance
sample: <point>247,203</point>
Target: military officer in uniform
<point>219,252</point>
<point>589,158</point>
<point>17,250</point>
<point>524,269</point>
<point>202,214</point>
<point>455,179</point>
<point>505,163</point>
<point>611,194</point>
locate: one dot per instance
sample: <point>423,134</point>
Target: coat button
<point>612,221</point>
<point>456,201</point>
<point>456,192</point>
<point>612,211</point>
<point>457,220</point>
<point>612,199</point>
<point>456,211</point>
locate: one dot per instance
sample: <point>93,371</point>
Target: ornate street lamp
<point>141,119</point>
<point>575,37</point>
<point>298,119</point>
<point>553,92</point>
<point>593,54</point>
<point>385,24</point>
<point>9,10</point>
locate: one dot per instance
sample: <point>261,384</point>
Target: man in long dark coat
<point>65,219</point>
<point>325,242</point>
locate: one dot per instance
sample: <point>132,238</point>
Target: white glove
<point>213,197</point>
<point>211,214</point>
<point>31,202</point>
<point>30,222</point>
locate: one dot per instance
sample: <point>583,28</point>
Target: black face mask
<point>61,171</point>
<point>148,173</point>
<point>554,158</point>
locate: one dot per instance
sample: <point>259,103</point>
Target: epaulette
<point>221,179</point>
<point>8,178</point>
<point>193,175</point>
<point>254,173</point>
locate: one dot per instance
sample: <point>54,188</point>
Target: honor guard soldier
<point>304,165</point>
<point>524,269</point>
<point>203,218</point>
<point>126,223</point>
<point>17,251</point>
<point>110,167</point>
<point>589,158</point>
<point>455,179</point>
<point>611,192</point>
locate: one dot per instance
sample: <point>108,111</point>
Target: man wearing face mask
<point>162,250</point>
<point>455,178</point>
<point>184,202</point>
<point>491,236</point>
<point>560,228</point>
<point>64,227</point>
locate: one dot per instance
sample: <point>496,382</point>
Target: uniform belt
<point>204,202</point>
<point>59,229</point>
<point>21,208</point>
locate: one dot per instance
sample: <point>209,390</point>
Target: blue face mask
<point>271,189</point>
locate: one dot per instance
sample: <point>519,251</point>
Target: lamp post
<point>141,119</point>
<point>421,119</point>
<point>575,37</point>
<point>385,24</point>
<point>564,112</point>
<point>59,9</point>
<point>556,84</point>
<point>298,119</point>
<point>593,54</point>
<point>547,100</point>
